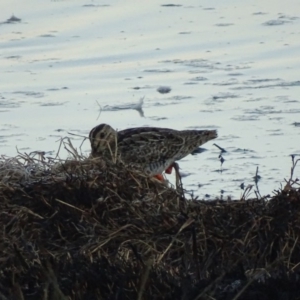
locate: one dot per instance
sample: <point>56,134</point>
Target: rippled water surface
<point>230,65</point>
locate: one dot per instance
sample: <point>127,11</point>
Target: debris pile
<point>90,229</point>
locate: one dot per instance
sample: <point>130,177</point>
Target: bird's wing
<point>149,144</point>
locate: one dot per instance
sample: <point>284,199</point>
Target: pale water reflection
<point>226,65</point>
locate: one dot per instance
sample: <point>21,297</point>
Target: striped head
<point>102,137</point>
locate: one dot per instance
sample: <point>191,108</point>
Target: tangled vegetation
<point>90,229</point>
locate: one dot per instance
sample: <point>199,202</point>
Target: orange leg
<point>160,177</point>
<point>169,169</point>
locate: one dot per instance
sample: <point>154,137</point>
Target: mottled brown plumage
<point>149,149</point>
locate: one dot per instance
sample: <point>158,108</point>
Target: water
<point>228,65</point>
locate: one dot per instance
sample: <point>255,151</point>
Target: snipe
<point>149,149</point>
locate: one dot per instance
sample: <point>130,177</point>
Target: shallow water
<point>225,65</point>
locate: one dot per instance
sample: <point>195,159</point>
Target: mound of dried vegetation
<point>91,229</point>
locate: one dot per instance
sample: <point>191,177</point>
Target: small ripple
<point>164,89</point>
<point>30,94</point>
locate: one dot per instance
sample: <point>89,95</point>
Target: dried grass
<point>91,229</point>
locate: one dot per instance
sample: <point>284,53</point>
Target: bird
<point>151,150</point>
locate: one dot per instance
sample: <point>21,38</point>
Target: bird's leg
<point>160,177</point>
<point>169,169</point>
